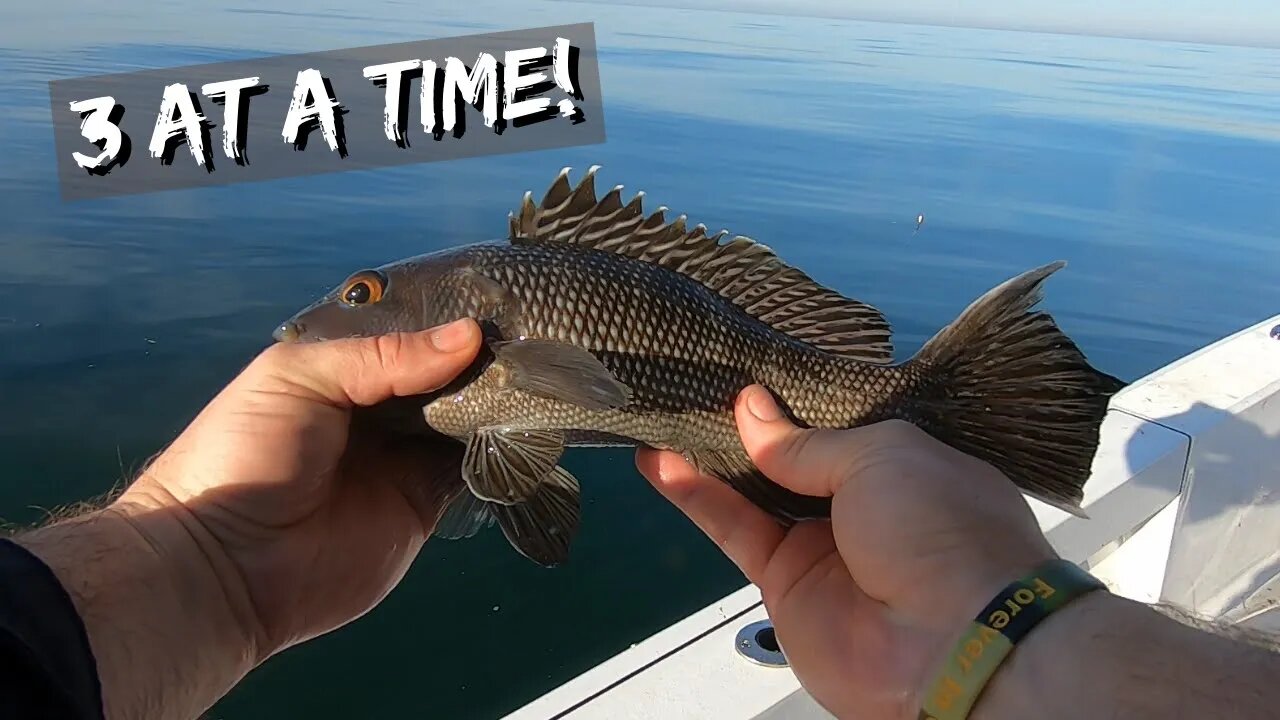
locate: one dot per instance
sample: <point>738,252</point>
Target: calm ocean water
<point>1150,167</point>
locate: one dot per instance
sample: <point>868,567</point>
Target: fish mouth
<point>288,332</point>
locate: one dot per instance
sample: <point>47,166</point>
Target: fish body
<point>606,326</point>
<point>682,350</point>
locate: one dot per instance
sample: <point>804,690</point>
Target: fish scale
<point>608,327</point>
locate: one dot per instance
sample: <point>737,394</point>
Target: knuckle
<point>894,432</point>
<point>387,351</point>
<point>272,362</point>
<point>896,423</point>
<point>798,446</point>
<point>275,355</point>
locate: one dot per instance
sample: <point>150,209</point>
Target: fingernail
<point>453,336</point>
<point>761,404</point>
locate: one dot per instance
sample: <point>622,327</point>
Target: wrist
<point>196,559</point>
<point>1051,659</point>
<point>991,639</point>
<point>167,635</point>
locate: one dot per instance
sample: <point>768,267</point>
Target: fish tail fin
<point>1004,384</point>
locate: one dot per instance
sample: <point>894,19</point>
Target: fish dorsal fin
<point>743,271</point>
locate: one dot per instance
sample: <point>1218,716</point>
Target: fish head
<point>404,296</point>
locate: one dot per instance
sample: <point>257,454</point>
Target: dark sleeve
<point>47,668</point>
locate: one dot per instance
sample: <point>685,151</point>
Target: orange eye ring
<point>363,288</point>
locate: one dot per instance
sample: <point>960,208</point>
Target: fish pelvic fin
<point>543,527</point>
<point>507,466</point>
<point>464,516</point>
<point>736,470</point>
<point>746,273</point>
<point>1004,384</point>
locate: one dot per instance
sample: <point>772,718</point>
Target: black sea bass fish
<point>606,327</point>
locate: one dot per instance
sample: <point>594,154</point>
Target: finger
<point>366,371</point>
<point>427,472</point>
<point>805,543</point>
<point>441,485</point>
<point>807,461</point>
<point>743,531</point>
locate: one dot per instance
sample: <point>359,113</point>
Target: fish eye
<point>363,288</point>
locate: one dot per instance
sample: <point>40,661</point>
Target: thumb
<point>804,460</point>
<point>367,371</point>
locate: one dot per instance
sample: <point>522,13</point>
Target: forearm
<point>168,636</point>
<point>1106,656</point>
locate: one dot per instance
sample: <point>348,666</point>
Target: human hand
<point>865,605</point>
<point>307,521</point>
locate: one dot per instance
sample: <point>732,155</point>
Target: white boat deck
<point>1184,507</point>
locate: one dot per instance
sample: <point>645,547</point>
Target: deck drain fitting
<point>1275,333</point>
<point>758,643</point>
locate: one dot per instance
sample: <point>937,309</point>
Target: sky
<point>1237,22</point>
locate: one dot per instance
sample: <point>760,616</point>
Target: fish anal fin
<point>744,272</point>
<point>737,470</point>
<point>559,371</point>
<point>543,527</point>
<point>506,466</point>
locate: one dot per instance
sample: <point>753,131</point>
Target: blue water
<point>1150,167</point>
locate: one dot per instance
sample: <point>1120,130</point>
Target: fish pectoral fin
<point>543,527</point>
<point>505,466</point>
<point>559,371</point>
<point>737,470</point>
<point>463,517</point>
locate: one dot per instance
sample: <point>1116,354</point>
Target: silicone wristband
<point>991,636</point>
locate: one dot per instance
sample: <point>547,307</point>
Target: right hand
<point>865,605</point>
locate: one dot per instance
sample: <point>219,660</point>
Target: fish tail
<point>1004,384</point>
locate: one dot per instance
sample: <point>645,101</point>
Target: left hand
<point>308,522</point>
<point>865,604</point>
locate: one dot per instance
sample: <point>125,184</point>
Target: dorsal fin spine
<point>744,272</point>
